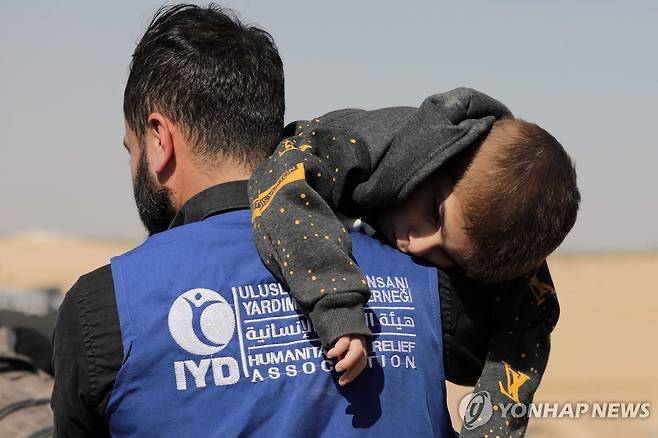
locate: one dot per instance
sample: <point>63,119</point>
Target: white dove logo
<point>201,321</point>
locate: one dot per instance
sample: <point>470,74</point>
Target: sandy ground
<point>44,260</point>
<point>605,347</point>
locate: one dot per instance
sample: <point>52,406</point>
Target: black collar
<point>211,201</point>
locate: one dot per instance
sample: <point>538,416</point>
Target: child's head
<point>497,211</point>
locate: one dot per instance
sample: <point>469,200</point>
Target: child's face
<point>429,224</point>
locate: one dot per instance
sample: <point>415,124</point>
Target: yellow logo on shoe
<point>515,379</point>
<point>263,200</point>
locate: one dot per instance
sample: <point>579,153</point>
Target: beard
<point>153,202</point>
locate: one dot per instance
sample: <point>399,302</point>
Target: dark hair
<point>519,199</point>
<point>221,81</point>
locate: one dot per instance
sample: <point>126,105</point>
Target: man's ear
<point>160,129</point>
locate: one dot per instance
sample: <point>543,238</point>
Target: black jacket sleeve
<point>87,355</point>
<point>497,338</point>
<point>521,315</point>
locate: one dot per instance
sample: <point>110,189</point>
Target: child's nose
<point>402,242</point>
<point>419,244</point>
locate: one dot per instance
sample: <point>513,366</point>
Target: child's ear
<point>160,129</point>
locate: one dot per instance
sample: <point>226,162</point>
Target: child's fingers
<point>354,362</point>
<point>352,373</point>
<point>339,348</point>
<point>355,354</point>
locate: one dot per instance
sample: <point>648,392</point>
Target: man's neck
<point>197,179</point>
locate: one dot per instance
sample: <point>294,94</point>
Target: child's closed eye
<point>436,213</point>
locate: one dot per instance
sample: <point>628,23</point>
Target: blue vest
<point>214,346</point>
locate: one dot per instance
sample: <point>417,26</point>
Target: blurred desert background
<point>604,347</point>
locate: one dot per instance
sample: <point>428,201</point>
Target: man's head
<point>203,104</point>
<point>498,210</point>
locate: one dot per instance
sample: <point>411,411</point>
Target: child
<point>474,188</point>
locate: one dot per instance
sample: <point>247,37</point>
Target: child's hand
<point>353,356</point>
